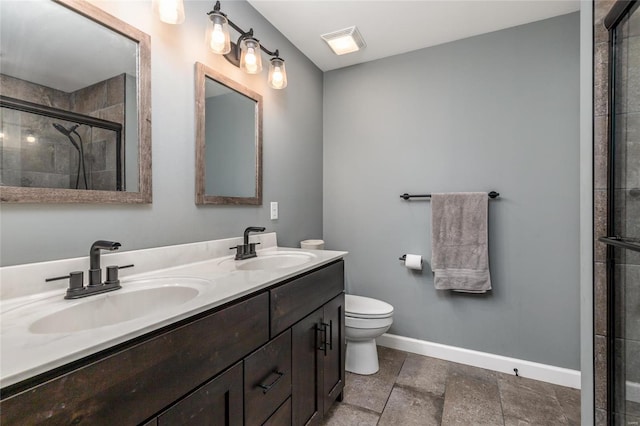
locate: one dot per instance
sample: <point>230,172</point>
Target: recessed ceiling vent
<point>344,41</point>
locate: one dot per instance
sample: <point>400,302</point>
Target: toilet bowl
<point>365,319</point>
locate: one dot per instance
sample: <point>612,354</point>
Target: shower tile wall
<point>47,163</point>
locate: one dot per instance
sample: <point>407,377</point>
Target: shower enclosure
<point>47,147</point>
<point>623,215</point>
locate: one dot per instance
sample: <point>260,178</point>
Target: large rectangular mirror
<point>75,122</point>
<point>228,140</point>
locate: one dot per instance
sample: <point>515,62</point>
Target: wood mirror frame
<point>202,73</point>
<point>13,194</point>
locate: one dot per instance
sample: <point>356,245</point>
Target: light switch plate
<point>274,210</point>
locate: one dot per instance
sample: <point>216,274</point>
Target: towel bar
<point>405,196</point>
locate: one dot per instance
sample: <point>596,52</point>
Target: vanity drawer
<point>282,417</point>
<point>157,371</point>
<point>267,379</point>
<point>216,403</point>
<point>296,299</point>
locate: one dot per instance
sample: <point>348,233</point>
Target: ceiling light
<point>344,41</point>
<point>31,138</point>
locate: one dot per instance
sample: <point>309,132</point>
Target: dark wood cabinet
<point>306,362</point>
<point>296,299</point>
<point>317,362</point>
<point>333,355</point>
<point>267,379</point>
<point>139,381</point>
<point>219,402</point>
<point>282,417</point>
<point>275,358</point>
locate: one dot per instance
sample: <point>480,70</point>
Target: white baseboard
<point>633,392</point>
<point>533,370</point>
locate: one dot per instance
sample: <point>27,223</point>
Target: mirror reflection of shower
<point>79,148</point>
<point>46,147</point>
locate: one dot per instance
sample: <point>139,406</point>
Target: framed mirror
<point>228,140</point>
<point>75,101</point>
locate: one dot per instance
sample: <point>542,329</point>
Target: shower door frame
<point>51,112</point>
<point>618,13</point>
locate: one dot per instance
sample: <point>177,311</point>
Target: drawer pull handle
<point>327,339</point>
<point>266,388</point>
<point>330,335</point>
<point>323,341</point>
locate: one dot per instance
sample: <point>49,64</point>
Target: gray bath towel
<point>459,241</point>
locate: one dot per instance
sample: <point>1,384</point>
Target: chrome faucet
<point>247,250</point>
<point>77,289</point>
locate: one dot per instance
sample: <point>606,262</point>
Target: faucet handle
<point>76,280</point>
<point>112,273</point>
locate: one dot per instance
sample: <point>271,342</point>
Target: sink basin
<point>270,261</point>
<point>138,298</point>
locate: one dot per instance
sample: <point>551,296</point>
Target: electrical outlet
<point>274,210</point>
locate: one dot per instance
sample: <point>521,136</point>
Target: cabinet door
<point>218,402</point>
<point>333,360</point>
<point>306,363</point>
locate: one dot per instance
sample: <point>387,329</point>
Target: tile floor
<point>412,389</point>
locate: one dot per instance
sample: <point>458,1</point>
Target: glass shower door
<point>623,254</point>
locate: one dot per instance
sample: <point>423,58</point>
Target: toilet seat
<point>366,307</point>
<point>367,323</point>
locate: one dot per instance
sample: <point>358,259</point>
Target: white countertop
<point>25,354</point>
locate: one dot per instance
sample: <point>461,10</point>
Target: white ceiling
<point>393,27</point>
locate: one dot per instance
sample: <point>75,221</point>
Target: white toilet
<point>365,319</point>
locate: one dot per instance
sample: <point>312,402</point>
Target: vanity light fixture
<point>245,53</point>
<point>170,11</point>
<point>344,41</point>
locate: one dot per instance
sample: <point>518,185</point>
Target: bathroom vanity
<point>272,354</point>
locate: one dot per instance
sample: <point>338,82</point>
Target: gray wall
<point>494,112</point>
<point>292,153</point>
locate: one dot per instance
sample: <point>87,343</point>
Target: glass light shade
<point>277,74</point>
<point>170,11</point>
<point>250,57</point>
<point>218,35</point>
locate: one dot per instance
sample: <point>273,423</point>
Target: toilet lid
<point>366,307</point>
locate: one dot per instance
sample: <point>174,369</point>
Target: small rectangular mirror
<point>228,140</point>
<point>75,122</point>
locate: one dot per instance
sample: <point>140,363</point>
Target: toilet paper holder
<point>403,257</point>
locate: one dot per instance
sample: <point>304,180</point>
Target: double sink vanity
<point>192,337</point>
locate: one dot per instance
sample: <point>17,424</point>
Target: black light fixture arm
<point>243,34</point>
